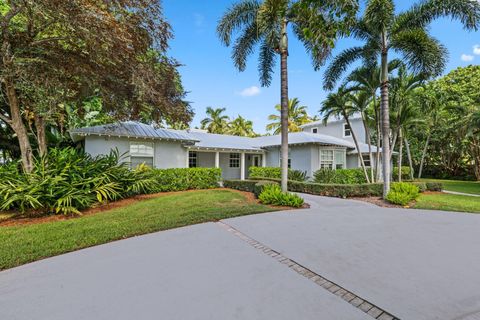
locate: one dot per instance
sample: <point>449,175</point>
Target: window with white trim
<point>340,159</point>
<point>366,160</point>
<point>234,160</point>
<point>280,159</point>
<point>326,159</point>
<point>141,153</point>
<point>192,159</point>
<point>347,131</point>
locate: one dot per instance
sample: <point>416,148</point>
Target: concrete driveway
<point>340,259</point>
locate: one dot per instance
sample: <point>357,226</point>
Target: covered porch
<point>233,162</point>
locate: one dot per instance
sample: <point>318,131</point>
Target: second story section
<point>338,128</point>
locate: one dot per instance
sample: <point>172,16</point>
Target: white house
<point>318,146</point>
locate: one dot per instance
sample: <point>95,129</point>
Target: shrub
<point>254,186</point>
<point>340,176</point>
<point>405,173</point>
<point>272,194</point>
<point>67,180</point>
<point>276,173</point>
<point>260,185</point>
<point>402,193</point>
<point>434,186</point>
<point>180,179</point>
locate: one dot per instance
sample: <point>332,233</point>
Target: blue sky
<point>212,80</point>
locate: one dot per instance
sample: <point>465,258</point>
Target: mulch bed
<point>34,218</point>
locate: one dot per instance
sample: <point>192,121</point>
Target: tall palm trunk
<point>385,114</point>
<point>360,157</point>
<point>284,105</point>
<point>409,156</point>
<point>400,154</point>
<point>379,145</point>
<point>424,153</point>
<point>369,142</point>
<point>18,126</point>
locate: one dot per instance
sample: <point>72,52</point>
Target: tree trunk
<point>424,153</point>
<point>369,142</point>
<point>284,105</point>
<point>385,115</point>
<point>18,126</point>
<point>360,157</point>
<point>379,145</point>
<point>409,156</point>
<point>400,154</point>
<point>41,136</point>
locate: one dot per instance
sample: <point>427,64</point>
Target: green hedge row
<point>351,176</point>
<point>180,179</point>
<point>348,190</point>
<point>253,186</point>
<point>276,173</point>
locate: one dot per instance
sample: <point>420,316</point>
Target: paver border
<point>358,302</point>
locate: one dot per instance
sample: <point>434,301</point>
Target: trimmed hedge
<point>343,190</point>
<point>434,186</point>
<point>180,179</point>
<point>253,186</point>
<point>351,176</point>
<point>276,173</point>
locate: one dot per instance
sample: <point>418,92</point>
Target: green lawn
<point>448,202</point>
<point>27,243</point>
<point>472,187</point>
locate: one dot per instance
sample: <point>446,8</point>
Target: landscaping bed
<point>21,244</point>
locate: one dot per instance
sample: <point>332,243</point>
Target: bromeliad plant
<point>66,181</point>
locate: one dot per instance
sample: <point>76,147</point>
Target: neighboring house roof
<point>132,130</point>
<point>335,120</point>
<point>302,138</point>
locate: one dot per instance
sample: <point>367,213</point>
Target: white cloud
<point>467,57</point>
<point>250,91</point>
<point>476,48</point>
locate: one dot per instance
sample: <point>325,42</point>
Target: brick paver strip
<point>358,302</point>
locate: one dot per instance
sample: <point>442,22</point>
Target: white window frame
<point>144,154</point>
<point>289,164</point>
<point>363,155</point>
<point>334,158</point>
<point>345,129</point>
<point>327,162</point>
<point>314,130</point>
<point>233,157</point>
<point>193,155</point>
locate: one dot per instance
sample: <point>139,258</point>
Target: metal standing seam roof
<point>203,140</point>
<point>130,129</point>
<point>302,138</point>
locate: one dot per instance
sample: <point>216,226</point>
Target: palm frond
<point>244,46</point>
<point>422,53</point>
<point>266,64</point>
<point>339,65</point>
<point>423,13</point>
<point>240,14</point>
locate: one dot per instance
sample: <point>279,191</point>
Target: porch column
<point>242,166</point>
<point>217,159</point>
<point>264,160</point>
<point>187,162</point>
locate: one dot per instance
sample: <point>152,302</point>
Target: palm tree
<point>265,23</point>
<point>383,31</point>
<point>215,122</point>
<point>338,105</point>
<point>367,79</point>
<point>241,127</point>
<point>297,115</point>
<point>404,113</point>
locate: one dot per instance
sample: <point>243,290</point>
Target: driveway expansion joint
<point>356,301</point>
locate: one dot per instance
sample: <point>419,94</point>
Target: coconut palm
<point>216,121</point>
<point>297,115</point>
<point>241,127</point>
<point>338,105</point>
<point>382,31</point>
<point>265,23</point>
